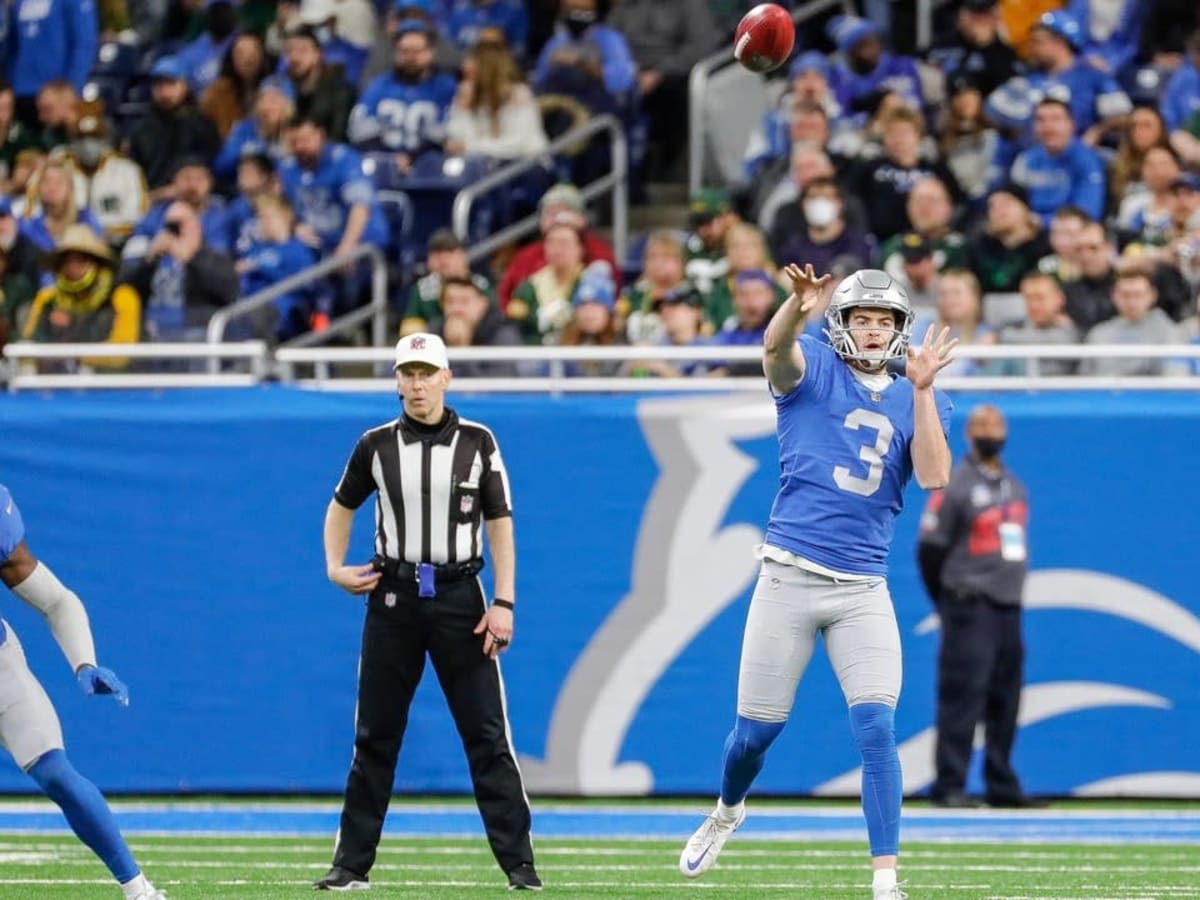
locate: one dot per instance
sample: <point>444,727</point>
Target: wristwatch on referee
<point>503,604</point>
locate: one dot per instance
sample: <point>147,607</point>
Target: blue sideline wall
<point>190,524</point>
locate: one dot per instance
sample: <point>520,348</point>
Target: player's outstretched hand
<point>496,626</point>
<point>356,579</point>
<point>805,284</point>
<point>99,680</point>
<point>924,362</point>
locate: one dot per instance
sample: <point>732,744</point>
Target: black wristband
<point>503,604</point>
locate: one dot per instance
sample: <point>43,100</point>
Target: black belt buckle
<point>426,578</point>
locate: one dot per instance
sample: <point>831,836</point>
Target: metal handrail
<point>254,351</point>
<point>616,181</point>
<point>377,306</point>
<point>698,86</point>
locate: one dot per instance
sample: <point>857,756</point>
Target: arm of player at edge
<point>783,360</point>
<point>33,581</point>
<point>930,451</point>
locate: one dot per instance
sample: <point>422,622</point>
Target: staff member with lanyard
<point>973,559</point>
<point>438,478</point>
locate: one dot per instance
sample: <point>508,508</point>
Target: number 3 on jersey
<point>871,454</point>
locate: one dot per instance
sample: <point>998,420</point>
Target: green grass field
<point>43,866</point>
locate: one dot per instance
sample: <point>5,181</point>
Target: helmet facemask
<point>869,289</point>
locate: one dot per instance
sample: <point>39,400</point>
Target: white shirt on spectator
<point>517,132</point>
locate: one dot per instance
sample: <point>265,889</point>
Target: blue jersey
<point>1182,96</point>
<point>1091,94</point>
<point>844,462</point>
<point>36,230</point>
<point>12,529</point>
<point>323,196</point>
<point>1075,177</point>
<point>407,118</point>
<point>244,138</point>
<point>893,73</point>
<point>468,18</point>
<point>202,59</point>
<point>214,225</point>
<point>51,39</point>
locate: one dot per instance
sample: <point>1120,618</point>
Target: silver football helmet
<point>877,290</point>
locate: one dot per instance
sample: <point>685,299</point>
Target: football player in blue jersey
<point>29,728</point>
<point>851,435</point>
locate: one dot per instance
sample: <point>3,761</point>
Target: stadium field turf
<point>1098,854</point>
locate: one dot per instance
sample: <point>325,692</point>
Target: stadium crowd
<point>1031,177</point>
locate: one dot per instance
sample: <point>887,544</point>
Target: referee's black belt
<point>402,570</point>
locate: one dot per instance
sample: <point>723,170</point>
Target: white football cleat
<point>705,845</point>
<point>151,893</point>
<point>892,893</point>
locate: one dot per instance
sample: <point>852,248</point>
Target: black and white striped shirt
<point>436,485</point>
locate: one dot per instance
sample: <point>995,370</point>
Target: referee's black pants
<point>980,673</point>
<point>400,628</point>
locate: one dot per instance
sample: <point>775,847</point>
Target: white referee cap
<point>421,348</point>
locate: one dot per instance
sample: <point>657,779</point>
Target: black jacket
<point>329,103</point>
<point>493,330</point>
<point>160,138</point>
<point>209,283</point>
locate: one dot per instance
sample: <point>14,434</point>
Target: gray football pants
<point>789,608</point>
<point>29,726</point>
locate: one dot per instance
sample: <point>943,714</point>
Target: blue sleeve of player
<point>12,529</point>
<point>815,383</point>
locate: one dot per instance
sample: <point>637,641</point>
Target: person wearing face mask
<point>405,112</point>
<point>582,47</point>
<point>866,66</point>
<point>826,235</point>
<point>201,59</point>
<point>113,185</point>
<point>973,557</point>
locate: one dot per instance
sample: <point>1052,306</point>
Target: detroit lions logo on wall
<point>690,564</point>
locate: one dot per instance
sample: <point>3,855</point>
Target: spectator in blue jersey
<point>181,280</point>
<point>584,52</point>
<point>322,17</point>
<point>56,210</point>
<point>256,179</point>
<point>192,184</point>
<point>976,49</point>
<point>1111,31</point>
<point>825,236</point>
<point>266,131</point>
<point>754,300</point>
<point>325,183</point>
<point>201,59</point>
<point>230,98</point>
<point>866,66</point>
<point>1059,169</point>
<point>1096,101</point>
<point>48,40</point>
<point>322,93</point>
<point>275,253</point>
<point>174,127</point>
<point>1181,99</point>
<point>405,112</point>
<point>469,19</point>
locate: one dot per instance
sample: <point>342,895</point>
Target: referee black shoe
<point>340,879</point>
<point>524,878</point>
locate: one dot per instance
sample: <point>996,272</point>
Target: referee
<point>438,478</point>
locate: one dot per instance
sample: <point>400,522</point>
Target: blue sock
<point>86,811</point>
<point>874,727</point>
<point>745,753</point>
